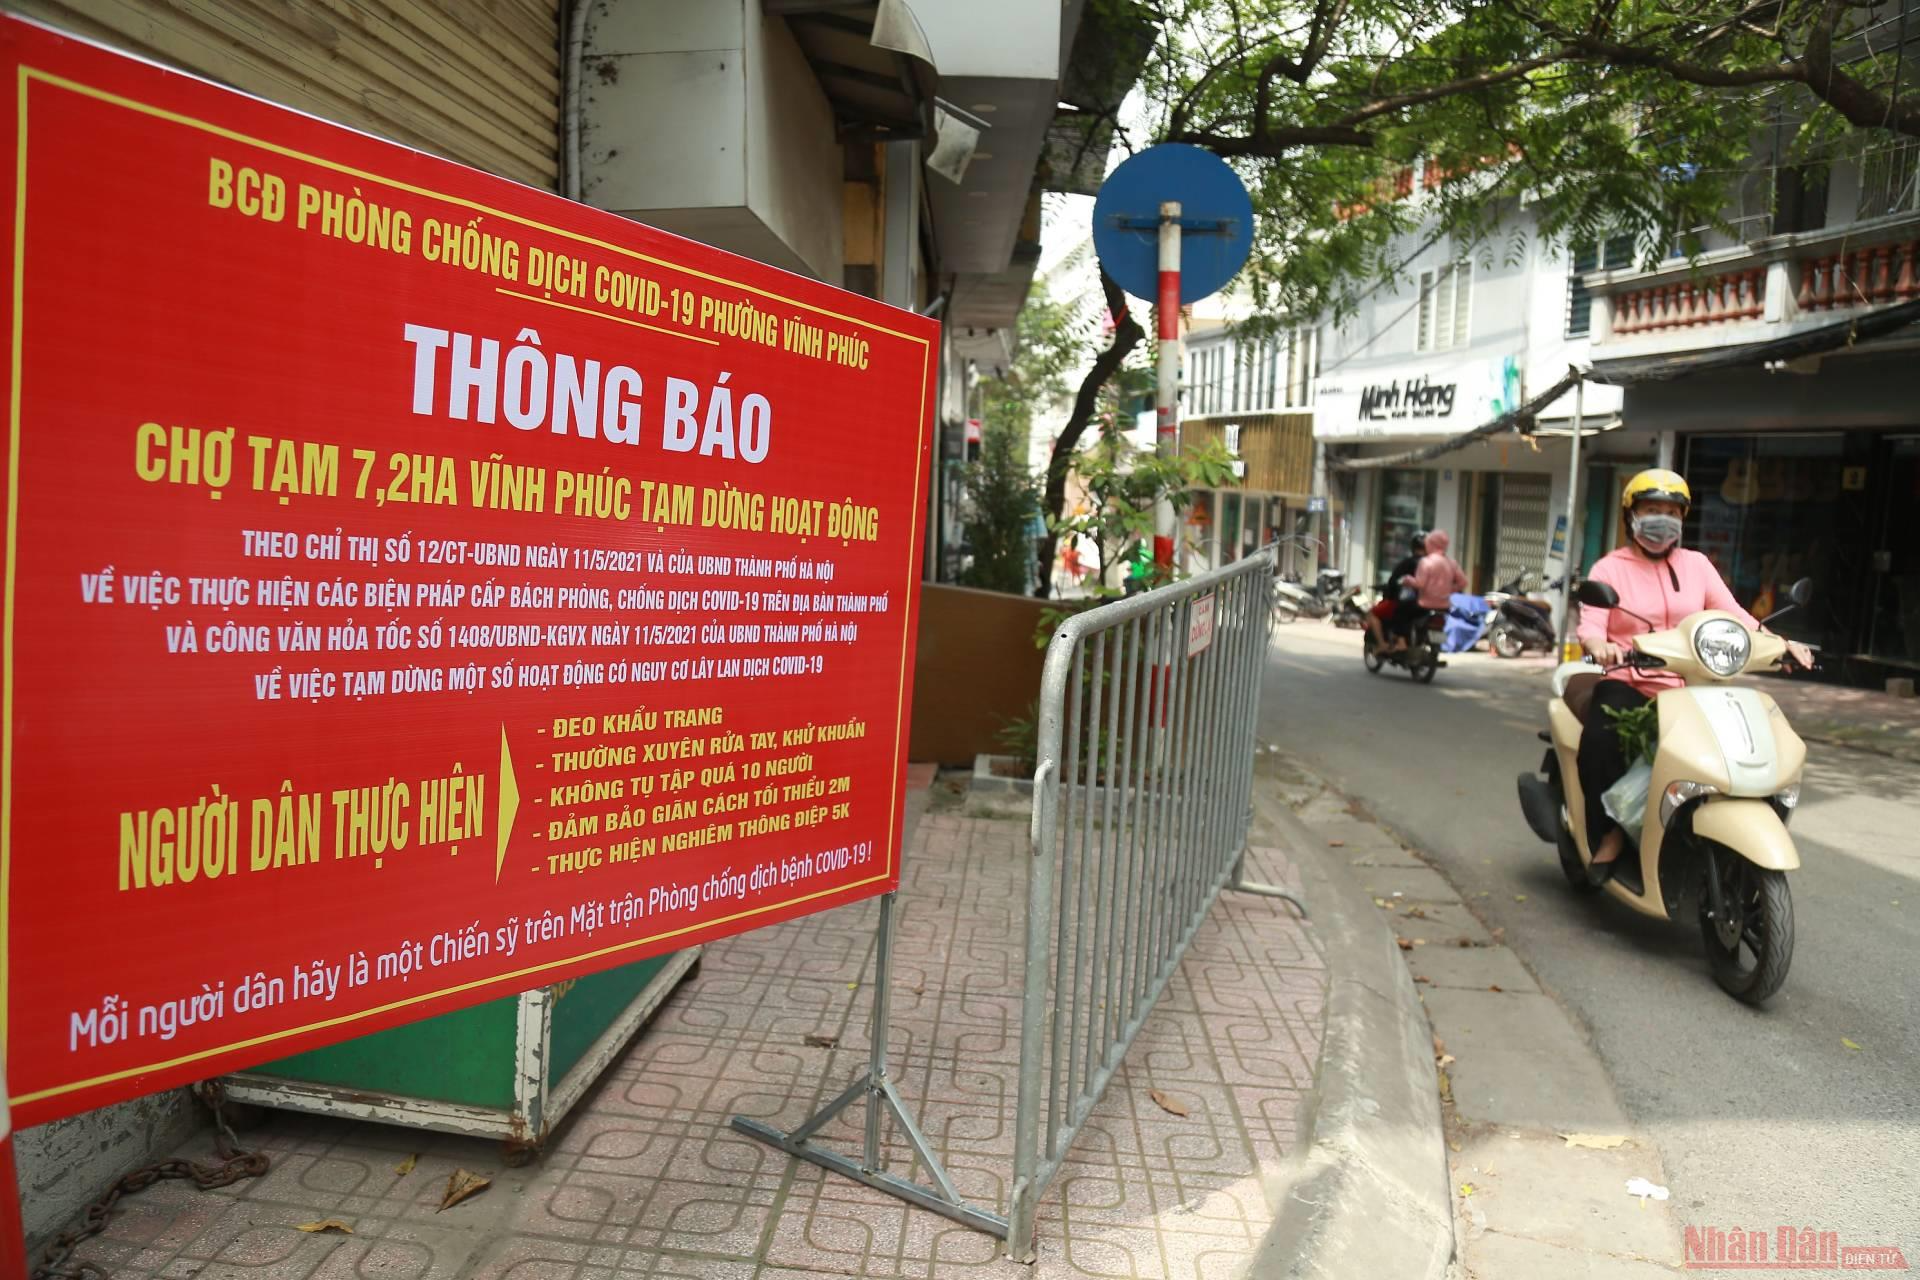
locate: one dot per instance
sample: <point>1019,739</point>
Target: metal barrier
<point>1136,830</point>
<point>1142,803</point>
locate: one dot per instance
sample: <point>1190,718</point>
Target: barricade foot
<point>1270,891</point>
<point>941,1198</point>
<point>878,1091</point>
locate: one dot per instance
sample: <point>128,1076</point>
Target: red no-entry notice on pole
<point>418,588</point>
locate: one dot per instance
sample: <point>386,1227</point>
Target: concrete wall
<point>976,669</point>
<point>64,1166</point>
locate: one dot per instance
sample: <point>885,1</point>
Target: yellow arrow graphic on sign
<point>509,805</point>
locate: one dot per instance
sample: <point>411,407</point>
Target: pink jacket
<point>1662,591</point>
<point>1437,578</point>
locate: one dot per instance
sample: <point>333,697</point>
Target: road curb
<point>1367,1194</point>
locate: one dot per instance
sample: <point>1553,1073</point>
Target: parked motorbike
<point>1726,779</point>
<point>1421,658</point>
<point>1356,603</point>
<point>1522,621</point>
<point>1292,601</point>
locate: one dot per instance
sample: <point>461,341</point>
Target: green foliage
<point>1123,484</point>
<point>1638,118</point>
<point>1051,340</point>
<point>1638,727</point>
<point>1001,499</point>
<point>1020,736</point>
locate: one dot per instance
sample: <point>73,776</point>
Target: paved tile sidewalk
<point>646,1179</point>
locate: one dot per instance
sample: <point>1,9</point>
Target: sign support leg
<point>1166,402</point>
<point>13,1235</point>
<point>874,1086</point>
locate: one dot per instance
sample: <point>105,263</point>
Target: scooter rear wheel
<point>1751,950</point>
<point>1423,664</point>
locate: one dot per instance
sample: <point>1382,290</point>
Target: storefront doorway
<point>1842,508</point>
<point>1893,630</point>
<point>1406,508</point>
<point>1766,512</point>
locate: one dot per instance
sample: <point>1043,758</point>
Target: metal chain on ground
<point>232,1165</point>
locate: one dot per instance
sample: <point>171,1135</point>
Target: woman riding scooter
<point>1662,582</point>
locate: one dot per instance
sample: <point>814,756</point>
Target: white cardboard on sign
<point>1200,625</point>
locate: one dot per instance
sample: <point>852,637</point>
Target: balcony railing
<point>1864,277</point>
<point>1758,290</point>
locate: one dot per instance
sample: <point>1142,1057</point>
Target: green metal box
<point>509,1068</point>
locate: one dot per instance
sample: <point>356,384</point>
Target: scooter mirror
<point>1598,594</point>
<point>1801,591</point>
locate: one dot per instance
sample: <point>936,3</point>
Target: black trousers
<point>1602,762</point>
<point>1401,623</point>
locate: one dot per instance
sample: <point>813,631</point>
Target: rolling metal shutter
<point>477,81</point>
<point>1523,527</point>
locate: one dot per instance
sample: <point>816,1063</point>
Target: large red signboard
<point>418,588</point>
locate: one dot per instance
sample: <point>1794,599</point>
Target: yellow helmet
<point>1657,484</point>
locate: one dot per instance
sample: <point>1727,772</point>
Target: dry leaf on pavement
<point>1595,1141</point>
<point>1421,977</point>
<point>815,1041</point>
<point>405,1167</point>
<point>1417,913</point>
<point>1519,897</point>
<point>1445,1060</point>
<point>460,1185</point>
<point>1446,1087</point>
<point>326,1224</point>
<point>1336,844</point>
<point>1172,1106</point>
<point>1404,944</point>
<point>1850,1044</point>
<point>1496,987</point>
<point>1439,1046</point>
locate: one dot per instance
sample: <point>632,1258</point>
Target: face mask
<point>1656,533</point>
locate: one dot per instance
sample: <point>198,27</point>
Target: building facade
<point>1254,393</point>
<point>1463,336</point>
<point>1808,467</point>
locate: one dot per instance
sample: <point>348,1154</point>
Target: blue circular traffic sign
<point>1216,218</point>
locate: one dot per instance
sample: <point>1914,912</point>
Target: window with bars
<point>1610,256</point>
<point>1446,307</point>
<point>1890,180</point>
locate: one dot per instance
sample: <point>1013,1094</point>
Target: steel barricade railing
<point>1142,804</point>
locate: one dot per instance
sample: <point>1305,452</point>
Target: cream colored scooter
<point>1726,778</point>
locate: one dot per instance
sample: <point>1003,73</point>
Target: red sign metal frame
<point>188,261</point>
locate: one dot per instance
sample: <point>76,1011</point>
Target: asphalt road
<point>1764,1117</point>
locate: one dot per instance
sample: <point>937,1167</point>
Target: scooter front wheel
<point>1372,655</point>
<point>1750,944</point>
<point>1505,642</point>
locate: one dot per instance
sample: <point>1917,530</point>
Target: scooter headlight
<point>1722,646</point>
<point>1680,793</point>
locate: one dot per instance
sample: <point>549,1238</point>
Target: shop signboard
<point>418,588</point>
<point>1424,398</point>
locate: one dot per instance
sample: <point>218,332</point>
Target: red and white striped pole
<point>1166,404</point>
